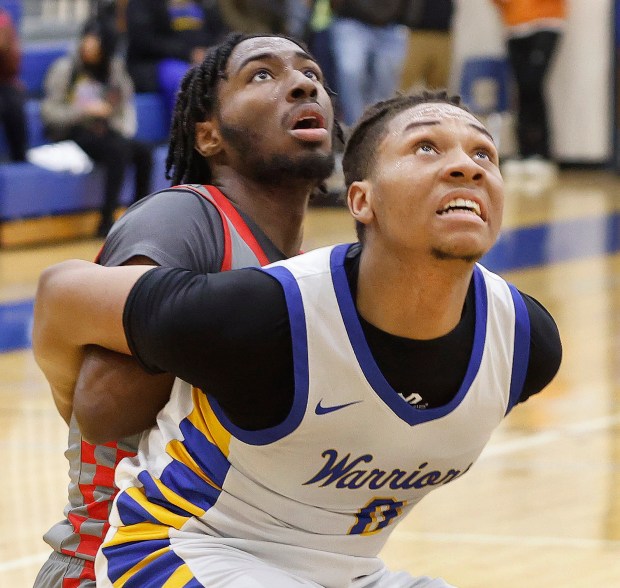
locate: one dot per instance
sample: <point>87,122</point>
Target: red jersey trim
<point>239,224</point>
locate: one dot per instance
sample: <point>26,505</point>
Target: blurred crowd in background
<point>367,50</point>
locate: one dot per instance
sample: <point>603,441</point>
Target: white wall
<point>580,83</point>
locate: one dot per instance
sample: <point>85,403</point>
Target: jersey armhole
<point>229,214</point>
<point>521,351</point>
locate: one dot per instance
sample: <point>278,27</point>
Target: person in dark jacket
<point>165,38</point>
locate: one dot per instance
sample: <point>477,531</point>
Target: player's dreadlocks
<point>361,149</point>
<point>196,101</point>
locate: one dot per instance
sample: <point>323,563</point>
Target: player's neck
<point>417,301</point>
<point>279,211</point>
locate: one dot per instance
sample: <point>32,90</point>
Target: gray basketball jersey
<point>232,244</point>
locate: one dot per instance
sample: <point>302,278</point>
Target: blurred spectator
<point>320,38</point>
<point>165,38</point>
<point>89,99</point>
<point>533,30</point>
<point>368,49</point>
<point>12,93</point>
<point>288,17</point>
<point>114,14</point>
<point>429,47</point>
<point>297,18</point>
<point>254,16</point>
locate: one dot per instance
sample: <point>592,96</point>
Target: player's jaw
<point>271,157</point>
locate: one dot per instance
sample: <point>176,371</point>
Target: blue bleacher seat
<point>36,133</point>
<point>28,191</point>
<point>36,59</point>
<point>153,125</point>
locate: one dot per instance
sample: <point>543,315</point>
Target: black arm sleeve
<point>226,333</point>
<point>545,348</point>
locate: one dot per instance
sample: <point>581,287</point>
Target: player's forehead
<point>433,113</point>
<point>260,48</point>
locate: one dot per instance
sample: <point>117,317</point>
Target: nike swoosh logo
<point>320,409</point>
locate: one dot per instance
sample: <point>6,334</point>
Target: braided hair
<point>196,101</point>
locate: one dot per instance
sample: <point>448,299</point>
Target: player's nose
<point>302,87</point>
<point>461,166</point>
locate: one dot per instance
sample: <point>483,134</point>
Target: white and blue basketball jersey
<point>320,493</point>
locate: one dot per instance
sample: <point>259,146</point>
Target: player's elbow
<point>43,310</point>
<point>96,421</point>
<point>50,320</point>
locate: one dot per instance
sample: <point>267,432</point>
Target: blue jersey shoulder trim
<point>521,353</point>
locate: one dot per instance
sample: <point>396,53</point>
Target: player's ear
<point>359,199</point>
<point>208,140</point>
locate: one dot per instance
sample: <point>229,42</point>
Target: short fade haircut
<point>360,151</point>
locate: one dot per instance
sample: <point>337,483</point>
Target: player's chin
<point>468,251</point>
<point>319,147</point>
<point>315,164</point>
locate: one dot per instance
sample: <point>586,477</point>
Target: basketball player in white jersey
<point>320,399</point>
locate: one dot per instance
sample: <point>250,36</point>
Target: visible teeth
<point>462,203</point>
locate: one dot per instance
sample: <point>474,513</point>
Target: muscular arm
<point>78,303</point>
<point>115,397</point>
<point>109,383</point>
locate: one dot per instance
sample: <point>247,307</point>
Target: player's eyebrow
<point>482,130</point>
<point>421,123</point>
<point>426,123</point>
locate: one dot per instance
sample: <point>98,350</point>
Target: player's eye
<point>262,75</point>
<point>485,154</point>
<point>425,147</point>
<point>313,74</point>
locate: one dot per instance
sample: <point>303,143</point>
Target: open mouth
<point>461,205</point>
<point>309,126</point>
<point>309,121</point>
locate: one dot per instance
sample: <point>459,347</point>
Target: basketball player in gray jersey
<point>251,139</point>
<point>356,379</point>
